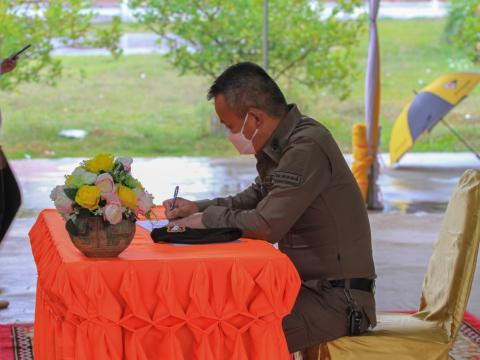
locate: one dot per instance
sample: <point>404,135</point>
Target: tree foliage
<point>463,27</point>
<point>44,24</point>
<point>307,43</point>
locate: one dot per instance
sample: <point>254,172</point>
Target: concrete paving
<point>415,195</point>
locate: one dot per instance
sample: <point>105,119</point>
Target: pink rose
<point>106,184</point>
<point>112,198</point>
<point>113,213</point>
<point>63,204</point>
<point>144,202</point>
<point>126,162</point>
<point>58,190</point>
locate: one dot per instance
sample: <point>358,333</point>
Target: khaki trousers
<point>320,314</point>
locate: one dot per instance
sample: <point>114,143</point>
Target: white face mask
<point>243,145</point>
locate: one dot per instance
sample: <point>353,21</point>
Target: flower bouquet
<point>100,202</point>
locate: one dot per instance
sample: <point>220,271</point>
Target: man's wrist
<point>201,220</point>
<point>213,217</point>
<point>203,204</point>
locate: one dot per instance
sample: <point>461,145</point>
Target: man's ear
<point>259,117</point>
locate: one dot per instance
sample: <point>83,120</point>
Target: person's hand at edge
<point>7,65</point>
<point>183,208</point>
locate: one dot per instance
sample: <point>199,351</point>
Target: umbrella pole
<point>461,139</point>
<point>374,198</point>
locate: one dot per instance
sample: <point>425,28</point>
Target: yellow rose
<point>68,180</point>
<point>127,197</point>
<point>101,162</point>
<point>88,197</point>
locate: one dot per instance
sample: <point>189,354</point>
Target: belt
<point>356,284</point>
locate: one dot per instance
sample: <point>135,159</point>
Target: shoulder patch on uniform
<point>282,177</point>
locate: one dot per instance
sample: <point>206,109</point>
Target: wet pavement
<point>419,184</point>
<point>415,195</point>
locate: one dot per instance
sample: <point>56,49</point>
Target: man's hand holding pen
<point>184,214</point>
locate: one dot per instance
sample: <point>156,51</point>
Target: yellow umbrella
<point>428,107</point>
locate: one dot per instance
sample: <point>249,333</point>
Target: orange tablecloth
<point>159,301</point>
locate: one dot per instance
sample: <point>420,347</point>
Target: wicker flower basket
<point>97,238</point>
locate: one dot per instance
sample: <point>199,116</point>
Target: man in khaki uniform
<point>305,199</point>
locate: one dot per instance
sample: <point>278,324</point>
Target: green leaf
<point>223,33</point>
<point>71,193</point>
<point>67,21</point>
<point>463,27</point>
<point>131,182</point>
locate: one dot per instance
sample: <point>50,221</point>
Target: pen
<point>175,194</point>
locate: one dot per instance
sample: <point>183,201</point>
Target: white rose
<point>84,176</point>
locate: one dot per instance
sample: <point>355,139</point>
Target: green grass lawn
<point>140,106</point>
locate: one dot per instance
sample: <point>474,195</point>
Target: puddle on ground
<point>417,207</point>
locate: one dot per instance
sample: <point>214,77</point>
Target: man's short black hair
<point>245,85</point>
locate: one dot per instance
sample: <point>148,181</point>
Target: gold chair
<point>431,332</point>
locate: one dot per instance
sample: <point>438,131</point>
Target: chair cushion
<point>396,336</point>
<point>408,326</point>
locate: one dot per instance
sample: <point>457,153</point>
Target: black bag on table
<point>196,236</point>
<point>10,198</point>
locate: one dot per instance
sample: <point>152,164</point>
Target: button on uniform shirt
<point>306,199</point>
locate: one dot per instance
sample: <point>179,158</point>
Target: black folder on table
<point>196,236</point>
